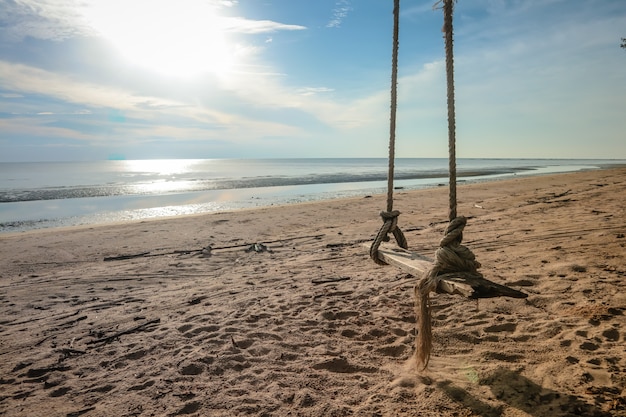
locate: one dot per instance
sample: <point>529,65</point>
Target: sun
<point>171,37</point>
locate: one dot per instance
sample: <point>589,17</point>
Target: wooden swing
<point>454,269</point>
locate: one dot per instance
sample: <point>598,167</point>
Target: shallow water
<point>42,195</point>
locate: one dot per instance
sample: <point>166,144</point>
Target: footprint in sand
<point>189,408</point>
<point>135,355</point>
<point>244,343</point>
<point>192,369</point>
<point>341,365</point>
<point>191,332</point>
<point>339,315</point>
<point>349,333</point>
<point>394,351</point>
<point>302,399</point>
<point>504,327</point>
<point>141,387</point>
<point>185,327</point>
<point>374,334</point>
<point>59,392</point>
<point>589,346</point>
<point>612,335</point>
<point>102,388</point>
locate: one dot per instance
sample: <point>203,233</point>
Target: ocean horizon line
<point>270,158</point>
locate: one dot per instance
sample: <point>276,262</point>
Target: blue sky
<point>139,79</point>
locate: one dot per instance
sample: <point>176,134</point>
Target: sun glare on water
<point>171,37</point>
<point>162,167</point>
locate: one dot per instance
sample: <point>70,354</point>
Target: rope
<point>394,104</point>
<point>447,28</point>
<point>390,224</point>
<point>390,217</point>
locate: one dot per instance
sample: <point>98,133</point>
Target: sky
<point>152,79</point>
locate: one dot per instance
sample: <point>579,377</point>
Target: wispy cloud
<point>51,113</point>
<point>309,91</point>
<point>247,26</point>
<point>420,8</point>
<point>340,12</point>
<point>145,116</point>
<point>38,128</point>
<point>27,79</point>
<point>41,19</point>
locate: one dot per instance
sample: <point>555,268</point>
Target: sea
<point>39,195</point>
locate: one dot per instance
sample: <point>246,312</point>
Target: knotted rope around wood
<point>452,258</point>
<point>390,225</point>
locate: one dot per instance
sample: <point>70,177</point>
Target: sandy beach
<point>280,312</point>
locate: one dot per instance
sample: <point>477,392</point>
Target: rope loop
<point>390,224</point>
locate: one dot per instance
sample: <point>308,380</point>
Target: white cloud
<point>247,26</point>
<point>56,113</point>
<point>41,19</point>
<point>27,79</point>
<point>62,19</point>
<point>150,111</point>
<point>340,12</point>
<point>29,127</point>
<point>309,91</point>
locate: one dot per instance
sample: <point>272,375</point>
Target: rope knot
<point>390,224</point>
<point>391,218</point>
<point>451,255</point>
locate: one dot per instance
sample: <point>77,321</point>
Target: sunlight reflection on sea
<point>135,190</point>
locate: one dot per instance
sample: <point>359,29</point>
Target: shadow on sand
<point>523,394</point>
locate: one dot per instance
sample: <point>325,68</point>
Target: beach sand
<point>311,326</point>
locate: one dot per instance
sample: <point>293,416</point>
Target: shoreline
<point>311,326</point>
<point>204,202</point>
<point>397,191</point>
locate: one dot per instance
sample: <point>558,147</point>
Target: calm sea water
<point>43,195</point>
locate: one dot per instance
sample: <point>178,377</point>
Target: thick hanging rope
<point>449,42</point>
<point>390,217</point>
<point>451,257</point>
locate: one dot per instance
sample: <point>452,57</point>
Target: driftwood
<point>124,257</point>
<point>114,336</point>
<point>328,280</point>
<point>248,246</point>
<point>468,285</point>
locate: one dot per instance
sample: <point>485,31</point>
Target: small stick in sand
<point>123,332</point>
